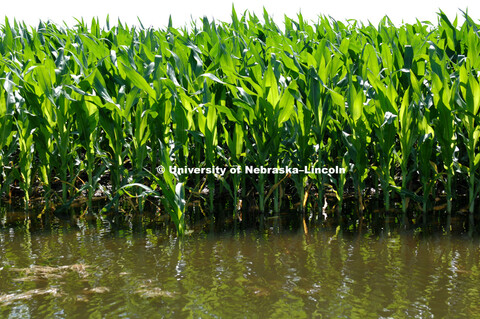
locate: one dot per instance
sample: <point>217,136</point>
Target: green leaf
<point>138,81</point>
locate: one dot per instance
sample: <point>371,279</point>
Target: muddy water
<point>90,270</point>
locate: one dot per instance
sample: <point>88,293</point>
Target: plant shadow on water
<point>287,264</point>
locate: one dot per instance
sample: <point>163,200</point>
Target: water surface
<point>93,270</point>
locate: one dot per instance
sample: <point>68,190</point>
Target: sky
<point>156,13</point>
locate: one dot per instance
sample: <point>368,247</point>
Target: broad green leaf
<point>138,81</point>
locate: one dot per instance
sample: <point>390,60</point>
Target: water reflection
<point>98,270</point>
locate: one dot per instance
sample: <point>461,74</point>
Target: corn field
<point>94,111</point>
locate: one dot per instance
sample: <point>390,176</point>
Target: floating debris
<point>96,290</point>
<point>7,299</point>
<point>155,292</point>
<point>41,273</point>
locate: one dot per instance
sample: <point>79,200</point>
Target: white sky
<point>156,13</point>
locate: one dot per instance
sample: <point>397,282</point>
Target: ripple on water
<point>91,273</point>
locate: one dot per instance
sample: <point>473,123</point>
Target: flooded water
<point>94,270</point>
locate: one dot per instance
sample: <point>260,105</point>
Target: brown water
<point>94,270</point>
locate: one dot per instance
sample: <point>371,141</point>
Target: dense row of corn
<point>397,107</point>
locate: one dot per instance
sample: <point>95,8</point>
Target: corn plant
<point>236,146</point>
<point>6,129</point>
<point>443,97</point>
<point>425,145</point>
<point>384,120</point>
<point>87,125</point>
<point>408,136</point>
<point>358,139</point>
<point>172,192</point>
<point>99,109</point>
<point>470,90</point>
<point>26,132</point>
<point>207,123</point>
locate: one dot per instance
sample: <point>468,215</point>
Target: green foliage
<point>392,104</point>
